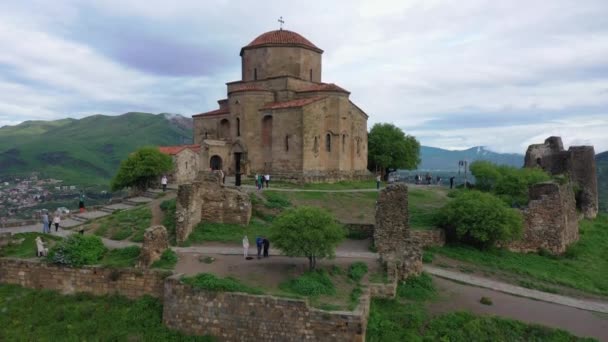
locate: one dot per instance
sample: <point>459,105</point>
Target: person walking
<point>266,245</point>
<point>378,182</point>
<point>261,182</point>
<point>81,206</point>
<point>452,182</point>
<point>259,242</point>
<point>267,179</point>
<point>45,222</point>
<point>163,182</point>
<point>57,220</point>
<point>257,178</point>
<point>245,246</point>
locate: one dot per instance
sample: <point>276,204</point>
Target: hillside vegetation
<point>601,161</point>
<point>85,151</point>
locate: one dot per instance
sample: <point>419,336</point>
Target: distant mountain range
<point>88,150</point>
<point>438,159</point>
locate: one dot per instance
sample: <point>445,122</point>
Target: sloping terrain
<point>601,161</point>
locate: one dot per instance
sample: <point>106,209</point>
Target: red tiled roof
<point>212,113</point>
<point>281,37</point>
<point>247,87</point>
<point>323,87</point>
<point>173,150</point>
<point>292,103</point>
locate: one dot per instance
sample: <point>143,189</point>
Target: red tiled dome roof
<point>281,37</point>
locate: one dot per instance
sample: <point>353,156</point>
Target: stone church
<point>280,118</point>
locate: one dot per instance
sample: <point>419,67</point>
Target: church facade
<point>281,119</point>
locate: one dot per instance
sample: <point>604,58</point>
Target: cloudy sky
<point>455,74</point>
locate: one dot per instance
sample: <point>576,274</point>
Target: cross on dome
<point>281,22</point>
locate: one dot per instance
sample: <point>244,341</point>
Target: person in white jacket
<point>245,246</point>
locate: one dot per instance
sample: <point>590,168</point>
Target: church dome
<point>281,38</point>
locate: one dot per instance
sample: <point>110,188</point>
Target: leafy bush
<point>480,219</point>
<point>167,260</point>
<point>485,301</point>
<point>275,200</point>
<point>509,183</point>
<point>210,282</point>
<point>312,283</point>
<point>78,250</point>
<point>357,270</point>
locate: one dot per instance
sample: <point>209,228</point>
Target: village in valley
<point>297,213</point>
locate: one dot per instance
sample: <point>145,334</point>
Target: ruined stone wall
<point>391,230</point>
<point>35,274</point>
<point>156,241</point>
<point>208,200</point>
<point>242,317</point>
<point>186,166</point>
<point>550,221</point>
<point>578,162</point>
<point>428,238</point>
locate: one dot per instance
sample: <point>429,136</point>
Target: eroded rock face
<point>578,163</point>
<point>156,241</point>
<point>208,200</point>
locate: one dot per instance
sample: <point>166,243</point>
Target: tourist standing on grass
<point>259,242</point>
<point>451,182</point>
<point>245,246</point>
<point>261,182</point>
<point>163,182</point>
<point>56,220</point>
<point>266,245</point>
<point>267,179</point>
<point>81,202</point>
<point>378,182</point>
<point>45,222</point>
<point>257,178</point>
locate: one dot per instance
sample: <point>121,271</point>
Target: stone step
<point>107,210</point>
<point>78,218</point>
<point>150,194</point>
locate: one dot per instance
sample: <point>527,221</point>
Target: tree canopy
<point>306,232</point>
<point>141,169</point>
<point>390,148</point>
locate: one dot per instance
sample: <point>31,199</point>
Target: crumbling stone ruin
<point>550,220</point>
<point>578,163</point>
<point>156,241</point>
<point>207,199</point>
<point>401,254</point>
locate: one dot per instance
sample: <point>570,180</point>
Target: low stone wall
<point>233,316</point>
<point>35,274</point>
<point>381,290</point>
<point>363,230</point>
<point>428,238</point>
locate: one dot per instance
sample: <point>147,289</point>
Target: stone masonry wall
<point>391,228</point>
<point>156,241</point>
<point>428,238</point>
<point>208,200</point>
<point>242,317</point>
<point>34,274</point>
<point>550,221</point>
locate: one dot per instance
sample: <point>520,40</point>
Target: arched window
<point>238,127</point>
<point>343,142</point>
<point>328,142</point>
<point>255,73</point>
<point>287,143</point>
<point>267,132</point>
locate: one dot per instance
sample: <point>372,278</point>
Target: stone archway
<point>215,163</point>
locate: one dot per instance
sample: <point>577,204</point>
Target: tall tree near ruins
<point>306,232</point>
<point>391,149</point>
<point>141,169</point>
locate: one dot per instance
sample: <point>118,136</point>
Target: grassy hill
<point>85,151</point>
<point>601,161</point>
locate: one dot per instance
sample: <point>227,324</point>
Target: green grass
<point>210,282</point>
<point>121,257</point>
<point>168,208</point>
<point>40,315</point>
<point>423,205</point>
<point>310,284</point>
<point>125,224</point>
<point>407,319</point>
<point>584,268</point>
<point>225,232</point>
<point>27,248</point>
<point>357,271</point>
<point>167,260</point>
<point>276,200</point>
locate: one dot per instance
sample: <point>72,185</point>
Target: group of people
<point>428,179</point>
<point>260,180</point>
<point>261,242</point>
<point>47,223</point>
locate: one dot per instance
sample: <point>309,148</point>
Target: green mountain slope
<point>601,162</point>
<point>85,151</point>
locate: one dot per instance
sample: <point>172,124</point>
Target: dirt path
<point>460,297</point>
<point>157,213</point>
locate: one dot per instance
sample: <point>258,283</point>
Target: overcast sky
<point>455,74</point>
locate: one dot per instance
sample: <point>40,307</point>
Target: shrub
<point>485,301</point>
<point>78,250</point>
<point>275,200</point>
<point>210,282</point>
<point>480,219</point>
<point>357,270</point>
<point>312,283</point>
<point>167,260</point>
<point>427,257</point>
<point>417,288</point>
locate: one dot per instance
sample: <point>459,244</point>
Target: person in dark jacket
<point>266,244</point>
<point>259,242</point>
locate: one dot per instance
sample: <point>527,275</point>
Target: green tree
<point>141,169</point>
<point>391,149</point>
<point>306,232</point>
<point>480,219</point>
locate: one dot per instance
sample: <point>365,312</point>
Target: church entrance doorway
<point>215,163</point>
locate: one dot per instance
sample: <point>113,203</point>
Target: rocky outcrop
<point>156,241</point>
